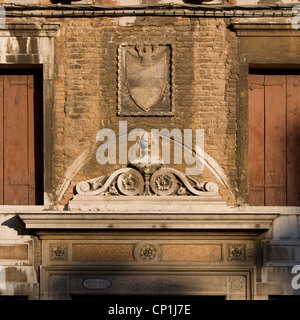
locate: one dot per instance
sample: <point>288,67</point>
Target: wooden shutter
<point>274,122</point>
<point>293,140</point>
<point>1,140</point>
<point>17,171</point>
<point>275,140</point>
<point>256,140</point>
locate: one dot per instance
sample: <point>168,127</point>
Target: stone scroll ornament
<point>146,176</point>
<point>146,180</point>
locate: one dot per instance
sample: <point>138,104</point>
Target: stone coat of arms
<point>144,80</point>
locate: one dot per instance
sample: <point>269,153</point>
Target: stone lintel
<point>51,221</point>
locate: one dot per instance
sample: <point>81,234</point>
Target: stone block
<point>278,253</point>
<point>102,252</point>
<point>188,252</point>
<point>14,251</point>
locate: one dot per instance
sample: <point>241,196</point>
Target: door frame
<point>265,100</point>
<point>40,54</point>
<point>260,46</point>
<point>36,144</point>
<point>235,283</point>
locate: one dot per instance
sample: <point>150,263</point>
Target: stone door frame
<point>31,45</point>
<point>61,282</point>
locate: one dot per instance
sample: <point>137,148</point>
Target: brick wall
<point>204,87</point>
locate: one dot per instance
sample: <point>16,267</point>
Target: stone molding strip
<point>257,222</point>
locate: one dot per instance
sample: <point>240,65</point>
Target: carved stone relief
<point>236,285</point>
<point>146,180</point>
<point>58,252</point>
<point>146,176</point>
<point>236,252</point>
<point>147,252</point>
<point>144,80</point>
<point>59,283</point>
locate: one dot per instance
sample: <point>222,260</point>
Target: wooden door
<point>17,140</point>
<point>274,133</point>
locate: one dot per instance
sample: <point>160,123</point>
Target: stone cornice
<point>205,220</point>
<point>265,29</point>
<point>29,29</point>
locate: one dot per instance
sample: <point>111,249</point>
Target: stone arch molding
<point>144,179</point>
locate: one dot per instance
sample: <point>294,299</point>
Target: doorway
<point>274,138</point>
<point>21,137</point>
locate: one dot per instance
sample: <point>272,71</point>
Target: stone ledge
<point>29,29</point>
<point>147,204</point>
<point>257,29</point>
<point>105,221</point>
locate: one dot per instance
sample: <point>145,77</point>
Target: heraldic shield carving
<point>144,80</point>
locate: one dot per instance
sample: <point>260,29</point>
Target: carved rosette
<point>58,252</point>
<point>130,183</point>
<point>236,252</point>
<point>155,180</point>
<point>163,184</point>
<point>147,252</point>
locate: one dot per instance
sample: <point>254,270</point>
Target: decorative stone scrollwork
<point>146,176</point>
<point>146,180</point>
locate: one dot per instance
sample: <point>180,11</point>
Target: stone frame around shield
<point>145,80</point>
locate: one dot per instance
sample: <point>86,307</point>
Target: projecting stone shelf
<point>206,220</point>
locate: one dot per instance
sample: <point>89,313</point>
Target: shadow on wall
<point>17,224</point>
<point>61,1</point>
